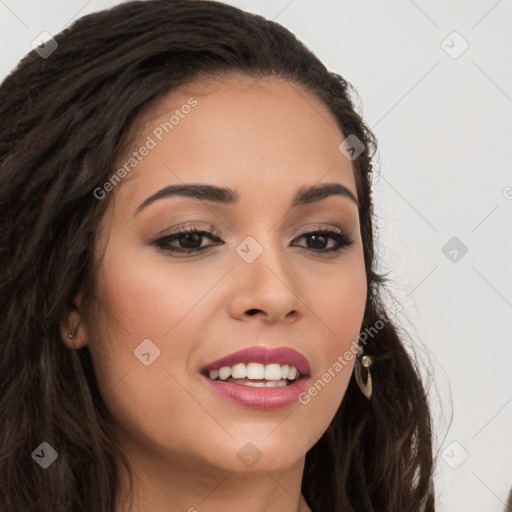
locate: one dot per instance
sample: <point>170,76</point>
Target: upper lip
<point>263,355</point>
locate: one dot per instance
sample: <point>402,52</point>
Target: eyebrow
<point>304,196</point>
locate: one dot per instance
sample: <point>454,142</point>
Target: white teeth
<point>276,383</point>
<point>224,372</point>
<point>269,384</point>
<point>239,371</point>
<point>256,371</point>
<point>253,384</point>
<point>273,372</point>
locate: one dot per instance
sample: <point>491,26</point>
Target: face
<point>263,270</point>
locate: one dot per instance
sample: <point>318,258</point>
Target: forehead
<point>246,133</point>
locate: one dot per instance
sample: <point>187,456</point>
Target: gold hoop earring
<point>366,362</point>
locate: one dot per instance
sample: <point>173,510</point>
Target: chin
<point>262,454</point>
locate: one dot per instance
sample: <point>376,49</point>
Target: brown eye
<point>319,239</point>
<point>186,240</point>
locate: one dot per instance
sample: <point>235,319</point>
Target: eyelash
<point>342,239</point>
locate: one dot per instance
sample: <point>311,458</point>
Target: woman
<point>192,314</point>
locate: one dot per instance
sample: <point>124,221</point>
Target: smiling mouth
<point>255,374</point>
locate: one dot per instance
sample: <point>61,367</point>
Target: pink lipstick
<point>259,377</point>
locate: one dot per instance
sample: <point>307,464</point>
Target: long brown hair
<point>65,119</point>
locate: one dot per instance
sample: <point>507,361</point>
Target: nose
<point>267,287</point>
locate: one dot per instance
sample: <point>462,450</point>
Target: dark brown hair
<point>64,121</point>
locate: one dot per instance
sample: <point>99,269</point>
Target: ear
<point>72,330</point>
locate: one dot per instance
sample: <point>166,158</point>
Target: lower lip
<point>259,398</point>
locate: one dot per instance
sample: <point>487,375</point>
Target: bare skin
<point>264,139</point>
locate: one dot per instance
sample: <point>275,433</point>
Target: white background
<point>445,137</point>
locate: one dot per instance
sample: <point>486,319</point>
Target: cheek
<point>338,299</point>
<point>146,297</point>
<point>147,309</point>
<point>339,307</point>
<point>141,296</point>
